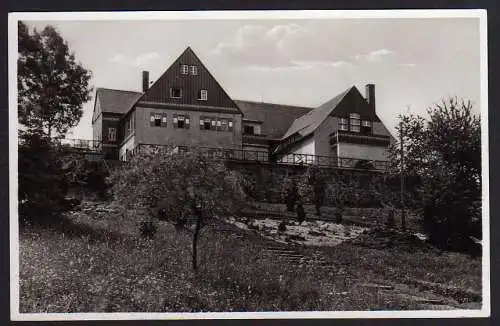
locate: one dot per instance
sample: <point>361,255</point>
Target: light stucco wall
<point>194,136</point>
<point>365,152</point>
<point>128,145</point>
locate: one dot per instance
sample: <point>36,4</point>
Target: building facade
<point>186,106</point>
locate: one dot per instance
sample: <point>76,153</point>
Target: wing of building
<point>186,106</point>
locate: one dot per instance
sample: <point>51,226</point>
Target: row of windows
<point>177,93</point>
<point>189,70</point>
<point>183,121</point>
<point>354,123</point>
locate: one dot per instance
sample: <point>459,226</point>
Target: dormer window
<point>203,95</point>
<point>193,70</point>
<point>175,92</point>
<point>184,69</point>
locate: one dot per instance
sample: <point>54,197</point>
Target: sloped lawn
<point>97,262</point>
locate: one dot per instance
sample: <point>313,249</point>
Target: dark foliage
<point>301,213</point>
<point>42,183</point>
<point>442,165</point>
<point>52,86</point>
<point>148,228</point>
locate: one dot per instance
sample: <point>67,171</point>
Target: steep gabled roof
<point>159,92</point>
<point>115,100</point>
<point>307,123</point>
<point>275,118</point>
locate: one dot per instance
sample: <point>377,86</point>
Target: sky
<point>413,62</point>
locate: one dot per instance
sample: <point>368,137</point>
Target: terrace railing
<point>88,145</point>
<point>245,155</point>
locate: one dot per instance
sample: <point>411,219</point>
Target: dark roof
<point>115,100</point>
<point>307,123</point>
<point>276,118</point>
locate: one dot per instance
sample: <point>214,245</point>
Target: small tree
<point>336,192</point>
<point>290,193</point>
<point>315,178</point>
<point>443,153</point>
<point>187,189</point>
<point>52,86</point>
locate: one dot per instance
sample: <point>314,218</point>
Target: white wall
<point>365,152</point>
<point>128,145</point>
<point>307,148</point>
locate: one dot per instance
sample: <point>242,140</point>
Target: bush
<point>148,228</point>
<point>301,213</point>
<point>282,227</point>
<point>42,183</point>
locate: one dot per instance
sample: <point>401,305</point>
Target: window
<point>193,70</point>
<point>354,121</point>
<point>112,134</point>
<point>181,121</point>
<point>366,127</point>
<point>214,123</point>
<point>158,119</point>
<point>205,124</point>
<point>184,69</point>
<point>203,95</point>
<point>175,92</point>
<point>248,130</point>
<point>343,124</point>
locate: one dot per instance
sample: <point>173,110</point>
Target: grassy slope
<point>107,267</point>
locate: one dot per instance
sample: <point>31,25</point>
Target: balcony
<point>359,138</point>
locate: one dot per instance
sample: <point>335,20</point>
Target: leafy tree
<point>443,153</point>
<point>52,86</point>
<point>188,188</point>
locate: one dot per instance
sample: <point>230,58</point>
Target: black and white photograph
<point>248,164</point>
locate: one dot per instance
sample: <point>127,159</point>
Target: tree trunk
<point>195,240</point>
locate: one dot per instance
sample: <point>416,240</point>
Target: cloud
<point>276,46</point>
<point>408,65</point>
<point>376,55</point>
<point>140,60</point>
<point>300,65</point>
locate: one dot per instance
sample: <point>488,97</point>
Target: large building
<point>186,106</point>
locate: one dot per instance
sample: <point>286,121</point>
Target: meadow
<point>95,260</point>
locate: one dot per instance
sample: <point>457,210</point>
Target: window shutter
<point>186,121</point>
<point>164,120</point>
<point>151,119</point>
<point>175,121</point>
<point>201,122</point>
<point>230,125</point>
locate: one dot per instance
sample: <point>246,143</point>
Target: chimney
<point>370,95</point>
<point>145,81</point>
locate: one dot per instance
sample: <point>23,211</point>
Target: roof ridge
<point>277,104</point>
<point>118,90</point>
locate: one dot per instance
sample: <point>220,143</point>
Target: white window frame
<point>366,123</point>
<point>203,95</point>
<point>184,69</point>
<point>193,70</point>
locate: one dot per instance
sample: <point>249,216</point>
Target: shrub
<point>148,228</point>
<point>42,183</point>
<point>301,213</point>
<point>282,227</point>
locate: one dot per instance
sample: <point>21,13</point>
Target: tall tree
<point>444,153</point>
<point>52,86</point>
